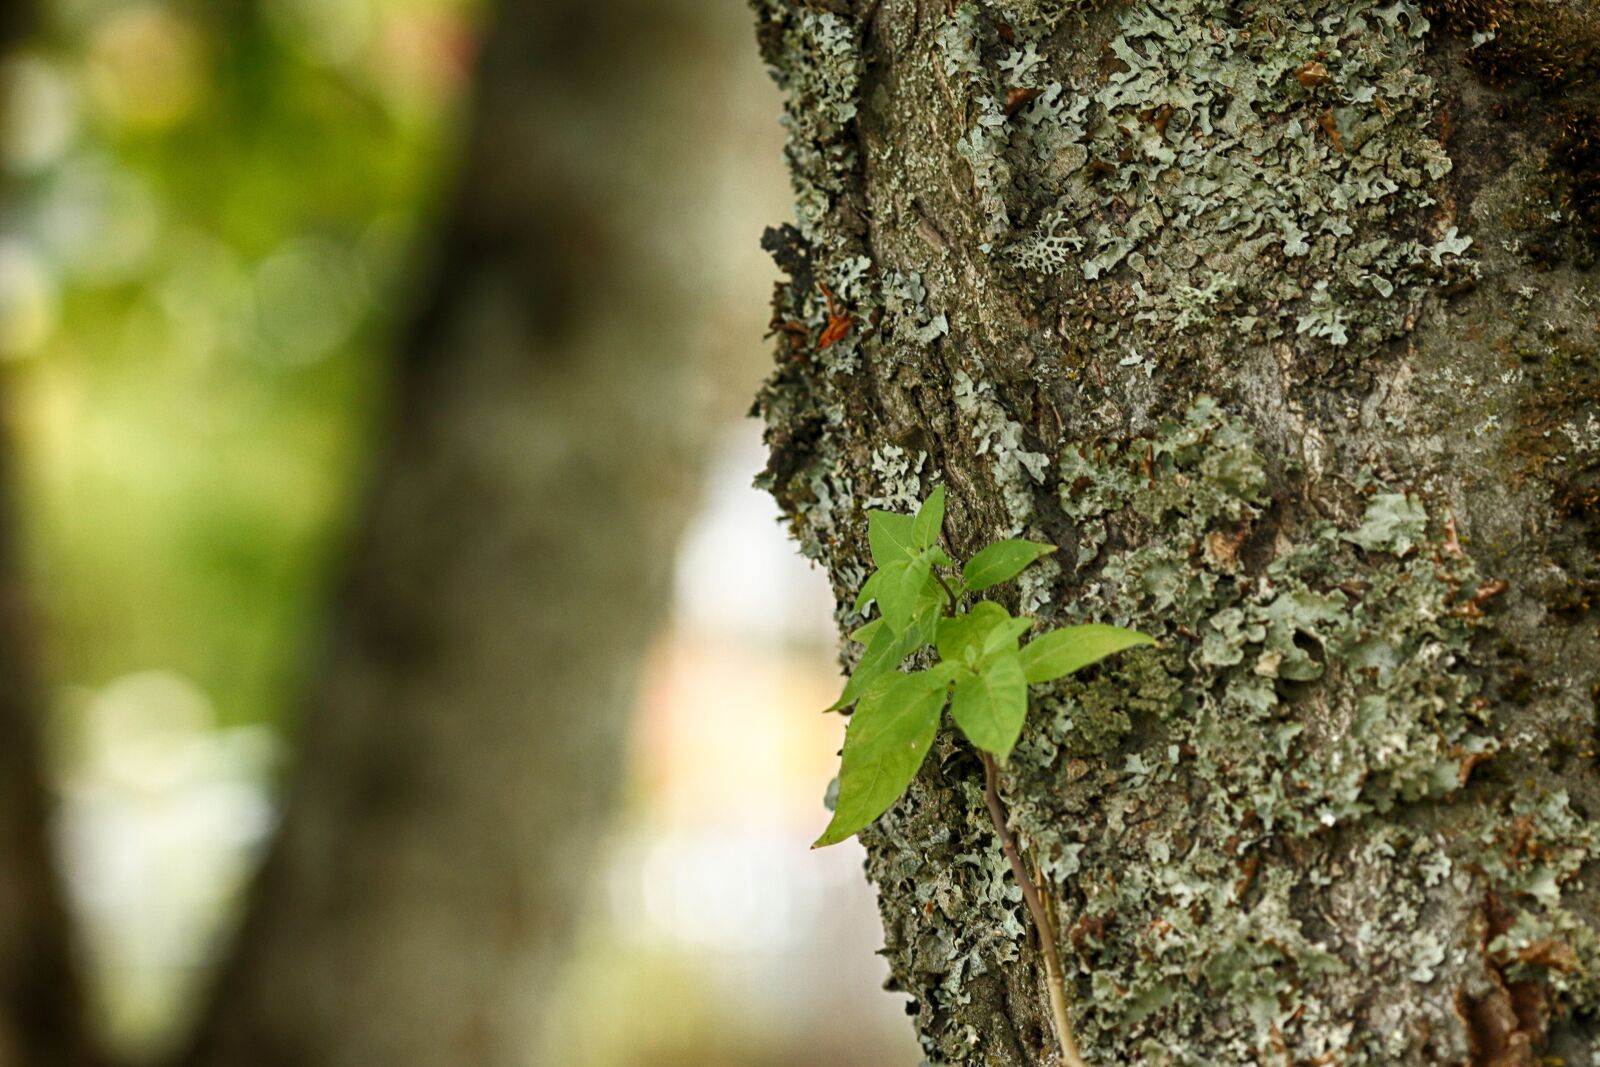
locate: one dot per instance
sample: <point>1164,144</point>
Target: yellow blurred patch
<point>145,68</point>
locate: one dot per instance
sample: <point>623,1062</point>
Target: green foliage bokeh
<point>206,220</point>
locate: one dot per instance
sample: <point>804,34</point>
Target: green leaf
<point>863,634</point>
<point>959,632</point>
<point>1004,637</point>
<point>1072,648</point>
<point>886,650</point>
<point>1001,562</point>
<point>990,706</point>
<point>929,520</point>
<point>904,584</point>
<point>869,591</point>
<point>888,738</point>
<point>882,656</point>
<point>926,621</point>
<point>890,537</point>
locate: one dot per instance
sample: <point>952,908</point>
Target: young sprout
<point>982,672</point>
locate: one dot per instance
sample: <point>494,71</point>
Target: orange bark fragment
<point>839,322</point>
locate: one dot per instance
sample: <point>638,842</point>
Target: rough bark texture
<point>464,739</point>
<point>1278,318</point>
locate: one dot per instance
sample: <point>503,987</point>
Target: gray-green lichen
<point>1016,471</point>
<point>1249,734</point>
<point>905,302</point>
<point>1272,136</point>
<point>899,476</point>
<point>816,59</point>
<point>1303,689</point>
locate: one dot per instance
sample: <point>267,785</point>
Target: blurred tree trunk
<point>41,1005</point>
<point>41,1001</point>
<point>464,739</point>
<point>1276,317</point>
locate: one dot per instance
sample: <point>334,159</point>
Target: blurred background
<point>213,221</point>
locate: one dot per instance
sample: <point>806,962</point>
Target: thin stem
<point>955,604</point>
<point>1035,899</point>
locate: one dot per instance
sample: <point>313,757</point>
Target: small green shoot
<point>982,672</point>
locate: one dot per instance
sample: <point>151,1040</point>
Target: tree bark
<point>1278,318</point>
<point>463,741</point>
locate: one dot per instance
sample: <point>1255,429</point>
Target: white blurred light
<point>309,298</point>
<point>29,305</point>
<point>161,813</point>
<point>98,221</point>
<point>38,112</point>
<point>738,570</point>
<point>144,730</point>
<point>705,889</point>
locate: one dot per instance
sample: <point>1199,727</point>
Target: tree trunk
<point>463,743</point>
<point>1277,318</point>
<point>41,999</point>
<point>41,996</point>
